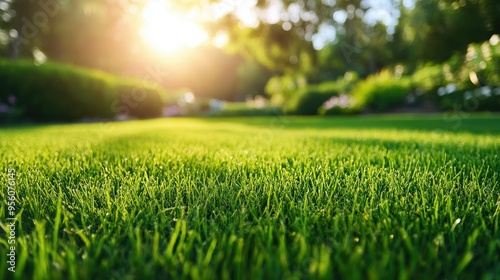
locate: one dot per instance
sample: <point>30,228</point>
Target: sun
<point>168,32</point>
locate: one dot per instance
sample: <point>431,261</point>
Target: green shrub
<point>306,101</point>
<point>309,100</point>
<point>428,78</point>
<point>56,92</point>
<point>281,88</point>
<point>139,99</point>
<point>345,84</point>
<point>381,92</point>
<point>340,101</point>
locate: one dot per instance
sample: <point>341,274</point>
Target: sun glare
<point>169,32</point>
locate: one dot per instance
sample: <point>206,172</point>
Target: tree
<point>436,29</point>
<point>22,20</point>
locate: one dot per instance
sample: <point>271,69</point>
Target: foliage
<point>468,83</point>
<point>428,78</point>
<point>252,79</point>
<point>477,79</point>
<point>271,45</point>
<point>296,97</point>
<point>307,101</point>
<point>342,198</point>
<point>140,99</point>
<point>435,30</point>
<point>11,113</point>
<point>282,88</point>
<point>340,101</point>
<point>362,49</point>
<point>343,84</point>
<point>106,35</point>
<point>381,92</point>
<point>469,100</point>
<point>481,65</point>
<point>425,82</point>
<point>78,32</point>
<point>55,92</point>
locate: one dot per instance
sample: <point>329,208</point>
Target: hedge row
<point>56,92</point>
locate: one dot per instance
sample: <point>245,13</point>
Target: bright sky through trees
<point>168,30</point>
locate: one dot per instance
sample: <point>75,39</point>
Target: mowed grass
<point>257,198</point>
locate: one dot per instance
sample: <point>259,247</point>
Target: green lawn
<point>256,198</point>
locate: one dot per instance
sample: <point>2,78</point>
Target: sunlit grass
<point>260,198</point>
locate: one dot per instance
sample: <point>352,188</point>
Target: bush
<point>428,78</point>
<point>281,88</point>
<point>381,92</point>
<point>139,99</point>
<point>56,92</point>
<point>344,84</point>
<point>307,101</point>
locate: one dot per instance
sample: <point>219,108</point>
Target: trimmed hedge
<point>139,99</point>
<point>307,101</point>
<point>57,92</point>
<point>381,92</point>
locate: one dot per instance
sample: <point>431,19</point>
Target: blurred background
<point>73,60</point>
